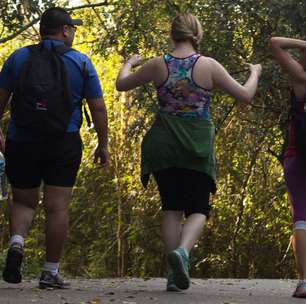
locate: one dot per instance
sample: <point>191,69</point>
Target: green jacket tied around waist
<point>182,142</point>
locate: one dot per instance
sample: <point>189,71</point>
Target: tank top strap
<point>179,68</point>
<point>187,62</point>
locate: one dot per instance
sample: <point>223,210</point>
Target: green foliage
<point>114,223</point>
<point>16,13</point>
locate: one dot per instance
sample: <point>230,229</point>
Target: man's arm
<point>4,98</point>
<point>99,117</point>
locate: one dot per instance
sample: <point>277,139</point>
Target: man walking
<point>46,83</point>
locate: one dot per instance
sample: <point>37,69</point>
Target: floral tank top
<point>179,94</point>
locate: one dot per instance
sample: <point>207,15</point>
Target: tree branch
<point>34,21</point>
<point>286,253</point>
<point>88,6</point>
<point>97,14</point>
<point>21,30</point>
<point>225,118</point>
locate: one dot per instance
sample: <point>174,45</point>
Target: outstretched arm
<point>127,80</point>
<point>279,47</point>
<point>222,79</point>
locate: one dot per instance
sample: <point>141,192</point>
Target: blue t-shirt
<point>80,87</point>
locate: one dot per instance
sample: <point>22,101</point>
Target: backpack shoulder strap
<point>34,48</point>
<point>85,74</point>
<point>62,49</point>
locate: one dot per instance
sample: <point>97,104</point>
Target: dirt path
<point>137,291</point>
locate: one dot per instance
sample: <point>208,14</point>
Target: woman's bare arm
<point>279,47</point>
<point>128,81</point>
<point>222,79</point>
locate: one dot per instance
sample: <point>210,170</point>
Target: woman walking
<point>295,154</point>
<point>179,147</point>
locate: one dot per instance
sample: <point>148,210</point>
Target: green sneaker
<point>170,283</point>
<point>179,263</point>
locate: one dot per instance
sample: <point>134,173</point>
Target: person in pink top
<point>294,161</point>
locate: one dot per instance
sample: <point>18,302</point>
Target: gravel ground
<point>139,291</point>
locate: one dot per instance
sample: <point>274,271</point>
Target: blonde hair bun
<point>187,27</point>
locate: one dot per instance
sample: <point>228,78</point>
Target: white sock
<point>16,238</point>
<point>51,267</point>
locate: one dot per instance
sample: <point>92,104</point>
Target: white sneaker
<point>300,291</point>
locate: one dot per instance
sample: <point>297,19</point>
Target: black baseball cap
<point>56,16</point>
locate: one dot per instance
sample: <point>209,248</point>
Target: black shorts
<point>54,161</point>
<point>184,190</point>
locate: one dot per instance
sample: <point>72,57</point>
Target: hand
<point>257,68</point>
<point>102,154</point>
<point>2,142</point>
<point>135,60</point>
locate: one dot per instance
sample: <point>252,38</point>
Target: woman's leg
<point>172,229</point>
<point>175,234</point>
<point>299,248</point>
<point>192,230</point>
<point>195,201</point>
<point>294,169</point>
<point>182,189</point>
<point>171,234</point>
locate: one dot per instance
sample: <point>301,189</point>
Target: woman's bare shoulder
<point>208,61</point>
<point>157,68</point>
<point>156,60</point>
